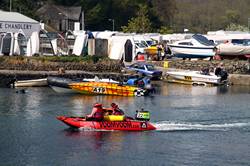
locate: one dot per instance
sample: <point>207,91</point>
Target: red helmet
<point>98,105</point>
<point>114,105</point>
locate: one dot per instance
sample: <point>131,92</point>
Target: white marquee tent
<point>16,22</point>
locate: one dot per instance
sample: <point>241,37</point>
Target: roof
<point>15,17</point>
<point>60,12</point>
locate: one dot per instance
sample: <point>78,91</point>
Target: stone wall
<point>36,65</point>
<point>231,66</point>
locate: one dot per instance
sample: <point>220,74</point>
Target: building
<point>17,23</point>
<point>60,18</point>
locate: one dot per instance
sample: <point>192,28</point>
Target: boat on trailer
<point>196,47</point>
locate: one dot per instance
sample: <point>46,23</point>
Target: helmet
<point>114,105</point>
<point>98,105</point>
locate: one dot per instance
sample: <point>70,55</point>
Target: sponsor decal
<point>99,90</point>
<point>144,125</point>
<point>125,125</point>
<point>188,78</point>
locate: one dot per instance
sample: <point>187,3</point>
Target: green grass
<point>56,58</point>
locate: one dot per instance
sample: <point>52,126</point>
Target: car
<point>145,70</point>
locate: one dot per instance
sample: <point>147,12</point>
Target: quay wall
<point>7,77</point>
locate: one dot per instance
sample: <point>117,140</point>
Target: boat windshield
<point>203,40</point>
<point>244,42</point>
<point>150,67</point>
<point>140,45</point>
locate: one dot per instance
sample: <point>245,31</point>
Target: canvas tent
<point>16,22</point>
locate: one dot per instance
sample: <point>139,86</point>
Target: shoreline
<point>7,77</point>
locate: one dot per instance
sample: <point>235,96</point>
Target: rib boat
<point>125,125</point>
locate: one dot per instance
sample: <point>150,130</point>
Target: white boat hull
<point>194,76</point>
<point>192,52</point>
<point>31,83</point>
<point>230,49</point>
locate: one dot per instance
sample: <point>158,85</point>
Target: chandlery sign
<point>16,22</point>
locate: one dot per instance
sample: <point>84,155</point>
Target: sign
<point>27,28</point>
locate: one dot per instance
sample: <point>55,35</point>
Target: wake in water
<point>174,126</point>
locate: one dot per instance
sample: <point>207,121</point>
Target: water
<point>195,126</point>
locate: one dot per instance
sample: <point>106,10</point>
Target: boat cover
<point>203,40</point>
<point>231,49</point>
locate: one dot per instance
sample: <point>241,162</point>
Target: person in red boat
<point>116,110</point>
<point>97,113</point>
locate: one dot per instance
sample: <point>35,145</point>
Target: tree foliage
<point>140,23</point>
<point>165,16</point>
<point>237,27</point>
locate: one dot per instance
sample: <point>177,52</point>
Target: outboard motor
<point>223,75</point>
<point>142,115</point>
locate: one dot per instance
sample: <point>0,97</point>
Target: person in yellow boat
<point>97,113</point>
<point>116,110</point>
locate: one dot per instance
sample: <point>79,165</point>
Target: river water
<point>195,126</point>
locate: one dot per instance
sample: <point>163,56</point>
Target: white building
<point>15,31</point>
<point>16,22</point>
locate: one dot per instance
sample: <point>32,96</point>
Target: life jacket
<point>97,112</point>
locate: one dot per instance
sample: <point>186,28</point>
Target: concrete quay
<point>9,76</point>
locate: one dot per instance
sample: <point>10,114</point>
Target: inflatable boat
<point>124,125</point>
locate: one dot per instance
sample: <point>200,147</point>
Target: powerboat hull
<point>194,77</point>
<point>196,47</point>
<point>126,125</point>
<point>191,52</point>
<point>94,88</point>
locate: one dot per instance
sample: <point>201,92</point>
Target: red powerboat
<point>127,124</point>
<point>111,122</point>
<point>110,119</point>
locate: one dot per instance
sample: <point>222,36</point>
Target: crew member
<point>97,113</point>
<point>116,110</point>
<point>218,69</point>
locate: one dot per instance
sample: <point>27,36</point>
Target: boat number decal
<point>99,90</point>
<point>143,125</point>
<point>117,125</point>
<point>188,78</point>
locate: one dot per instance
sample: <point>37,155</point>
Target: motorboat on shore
<point>196,47</point>
<point>195,78</point>
<point>236,48</point>
<point>31,83</point>
<point>63,85</point>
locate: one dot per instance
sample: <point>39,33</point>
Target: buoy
<point>141,57</point>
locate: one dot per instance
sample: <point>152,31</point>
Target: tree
<point>165,30</point>
<point>140,23</point>
<point>236,27</point>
